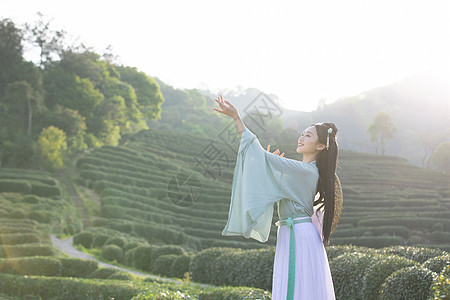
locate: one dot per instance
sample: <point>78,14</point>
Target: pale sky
<point>301,51</point>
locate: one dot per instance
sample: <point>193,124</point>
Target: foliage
<point>347,270</point>
<point>438,263</point>
<point>203,263</point>
<point>163,264</point>
<point>419,254</point>
<point>113,253</point>
<point>47,266</point>
<point>409,283</point>
<point>181,265</point>
<point>75,267</point>
<point>83,238</point>
<point>52,146</point>
<point>382,268</point>
<point>441,285</point>
<point>65,288</point>
<point>441,157</point>
<point>381,129</point>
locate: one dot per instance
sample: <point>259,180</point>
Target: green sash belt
<point>291,277</point>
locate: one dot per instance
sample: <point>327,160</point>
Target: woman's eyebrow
<point>309,132</point>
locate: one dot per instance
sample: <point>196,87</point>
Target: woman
<point>261,179</point>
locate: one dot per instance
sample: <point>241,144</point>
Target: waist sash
<point>291,273</point>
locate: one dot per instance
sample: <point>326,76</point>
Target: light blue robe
<point>262,179</point>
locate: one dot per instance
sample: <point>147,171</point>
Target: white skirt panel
<point>312,272</point>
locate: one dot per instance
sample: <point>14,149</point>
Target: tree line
<point>70,100</point>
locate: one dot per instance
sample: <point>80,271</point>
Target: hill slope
<point>175,189</point>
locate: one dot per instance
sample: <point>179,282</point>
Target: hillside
<point>387,201</point>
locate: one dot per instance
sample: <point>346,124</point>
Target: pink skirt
<point>312,271</point>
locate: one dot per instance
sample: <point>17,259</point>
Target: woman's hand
<point>229,111</point>
<point>276,151</point>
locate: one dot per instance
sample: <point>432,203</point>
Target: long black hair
<point>327,163</point>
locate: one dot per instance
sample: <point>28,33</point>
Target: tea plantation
<point>163,202</point>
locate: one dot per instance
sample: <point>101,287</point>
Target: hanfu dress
<point>261,179</point>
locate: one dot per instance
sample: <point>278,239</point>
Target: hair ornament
<point>330,130</point>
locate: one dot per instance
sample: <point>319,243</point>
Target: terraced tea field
<point>175,189</point>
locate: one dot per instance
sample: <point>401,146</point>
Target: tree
<point>49,41</point>
<point>382,129</point>
<point>149,96</point>
<point>429,142</point>
<point>10,52</point>
<point>441,157</point>
<point>52,146</point>
<point>69,90</point>
<point>71,122</point>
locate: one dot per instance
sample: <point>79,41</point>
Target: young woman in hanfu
<point>261,179</point>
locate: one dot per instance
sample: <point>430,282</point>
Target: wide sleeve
<point>256,188</point>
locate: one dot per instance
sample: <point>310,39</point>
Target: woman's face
<point>308,142</point>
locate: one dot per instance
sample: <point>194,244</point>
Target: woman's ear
<point>321,147</point>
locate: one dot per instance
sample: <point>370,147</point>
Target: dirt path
<point>67,247</point>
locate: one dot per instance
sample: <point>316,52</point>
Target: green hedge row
<point>401,231</point>
<point>25,187</point>
<point>409,222</point>
<point>18,238</point>
<point>369,241</point>
<point>229,266</point>
<point>21,250</point>
<point>409,283</point>
<point>66,288</point>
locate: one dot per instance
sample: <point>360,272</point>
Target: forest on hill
<point>71,100</point>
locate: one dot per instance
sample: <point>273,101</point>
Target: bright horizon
<point>299,51</point>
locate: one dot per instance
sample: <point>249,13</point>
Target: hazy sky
<point>301,51</point>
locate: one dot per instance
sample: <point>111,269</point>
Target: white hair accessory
<point>330,130</point>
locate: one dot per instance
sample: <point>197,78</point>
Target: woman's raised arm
<point>230,111</point>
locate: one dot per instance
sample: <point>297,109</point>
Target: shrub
<point>26,250</point>
<point>438,263</point>
<point>165,250</point>
<point>141,257</point>
<point>99,240</point>
<point>75,267</point>
<point>441,285</point>
<point>65,288</point>
<point>131,245</point>
<point>47,266</point>
<point>162,265</point>
<point>45,190</point>
<point>370,241</point>
<point>107,273</point>
<point>440,237</point>
<point>181,265</point>
<point>17,213</point>
<point>14,186</point>
<point>236,293</point>
<point>438,227</point>
<point>31,199</point>
<point>418,254</point>
<point>40,216</point>
<point>18,238</point>
<point>408,283</point>
<point>347,271</point>
<point>118,241</point>
<point>202,264</point>
<point>379,271</point>
<point>113,253</point>
<point>335,251</point>
<point>120,276</point>
<point>251,268</point>
<point>84,239</point>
